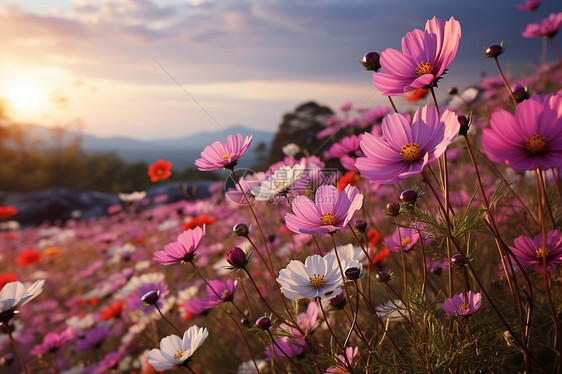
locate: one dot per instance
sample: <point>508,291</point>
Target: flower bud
<point>521,94</point>
<point>240,229</point>
<point>383,276</point>
<point>393,208</point>
<point>371,61</point>
<point>361,225</point>
<point>150,298</point>
<point>409,196</point>
<point>236,257</point>
<point>352,273</point>
<point>458,260</point>
<point>494,51</point>
<point>263,323</point>
<point>436,269</point>
<point>337,299</point>
<point>452,91</point>
<point>465,125</point>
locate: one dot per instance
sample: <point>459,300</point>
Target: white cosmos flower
<point>290,149</point>
<point>175,351</point>
<point>278,183</point>
<point>350,252</point>
<point>14,295</point>
<point>394,310</point>
<point>132,197</point>
<point>317,276</point>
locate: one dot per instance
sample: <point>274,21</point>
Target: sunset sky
<point>166,68</point>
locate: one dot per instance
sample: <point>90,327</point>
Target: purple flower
<point>329,212</point>
<point>219,155</point>
<point>290,347</point>
<point>406,240</point>
<point>532,252</point>
<point>403,150</point>
<point>547,27</point>
<point>529,5</point>
<point>346,147</point>
<point>52,341</point>
<point>219,292</point>
<point>458,306</point>
<point>182,250</point>
<point>426,55</point>
<point>93,338</point>
<point>531,139</point>
<point>342,368</point>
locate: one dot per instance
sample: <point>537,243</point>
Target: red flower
<point>29,257</point>
<point>374,237</point>
<point>7,212</point>
<point>420,93</point>
<point>348,178</point>
<point>381,255</point>
<point>7,278</point>
<point>160,170</point>
<point>198,222</point>
<point>114,310</point>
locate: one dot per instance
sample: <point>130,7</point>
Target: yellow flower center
<point>463,307</point>
<point>280,185</point>
<point>180,353</point>
<point>410,152</point>
<point>226,156</point>
<point>329,219</point>
<point>424,68</point>
<point>159,171</point>
<point>542,253</point>
<point>317,281</point>
<point>535,144</point>
<point>406,241</point>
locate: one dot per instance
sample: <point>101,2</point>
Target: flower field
<point>408,242</point>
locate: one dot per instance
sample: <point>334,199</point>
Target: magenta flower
<point>426,55</point>
<point>52,341</point>
<point>219,155</point>
<point>290,347</point>
<point>219,292</point>
<point>532,252</point>
<point>403,151</point>
<point>547,27</point>
<point>182,250</point>
<point>529,5</point>
<point>406,240</point>
<point>532,139</point>
<point>458,306</point>
<point>329,212</point>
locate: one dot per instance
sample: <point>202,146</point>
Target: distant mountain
<point>182,152</point>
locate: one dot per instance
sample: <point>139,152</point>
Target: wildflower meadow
<point>424,241</point>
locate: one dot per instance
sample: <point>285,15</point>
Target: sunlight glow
<point>26,97</point>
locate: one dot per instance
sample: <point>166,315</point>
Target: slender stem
<point>354,314</point>
<point>334,335</point>
<point>434,98</point>
<point>260,256</point>
<point>245,340</point>
<point>505,81</point>
<point>543,185</point>
<point>245,296</point>
<point>559,59</point>
<point>341,272</point>
<point>167,320</point>
<point>424,263</point>
<point>261,297</point>
<point>16,347</point>
<point>392,104</point>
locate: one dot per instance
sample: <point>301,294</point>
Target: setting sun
<point>26,98</point>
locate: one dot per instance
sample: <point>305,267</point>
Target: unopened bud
<point>263,323</point>
<point>371,61</point>
<point>240,229</point>
<point>150,298</point>
<point>236,257</point>
<point>493,51</point>
<point>409,196</point>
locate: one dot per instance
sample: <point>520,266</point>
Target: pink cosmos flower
<point>182,250</point>
<point>531,251</point>
<point>406,240</point>
<point>403,151</point>
<point>529,5</point>
<point>532,139</point>
<point>219,155</point>
<point>547,27</point>
<point>426,55</point>
<point>329,212</point>
<point>456,305</point>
